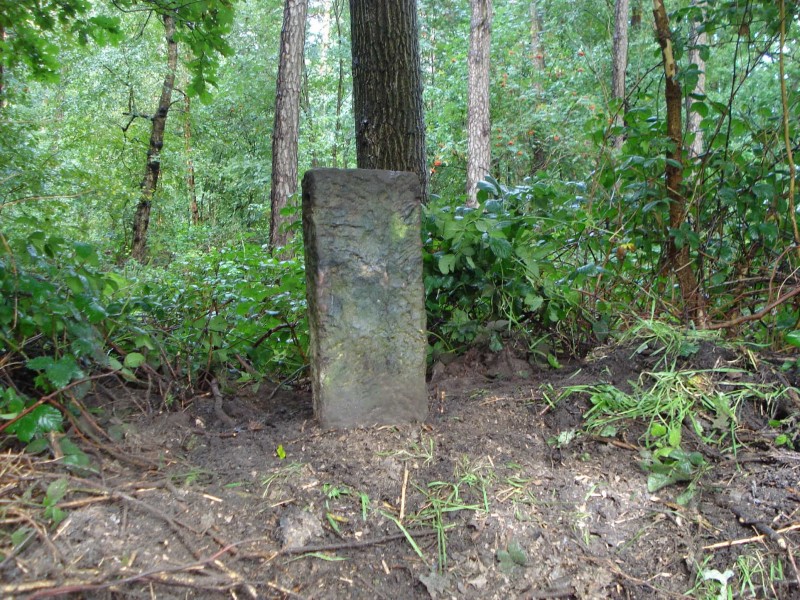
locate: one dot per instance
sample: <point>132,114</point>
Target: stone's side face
<point>366,305</point>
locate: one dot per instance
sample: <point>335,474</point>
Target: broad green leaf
<point>38,445</point>
<point>56,491</point>
<point>63,371</point>
<point>134,360</point>
<point>657,481</point>
<point>500,247</point>
<point>533,301</point>
<point>42,419</point>
<point>20,535</point>
<point>675,437</point>
<point>793,338</point>
<point>447,263</point>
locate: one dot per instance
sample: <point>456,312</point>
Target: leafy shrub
<point>58,311</point>
<point>510,262</point>
<point>232,306</point>
<point>64,315</point>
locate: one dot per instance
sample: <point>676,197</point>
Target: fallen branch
<point>757,315</point>
<point>749,540</point>
<point>49,589</point>
<point>355,544</point>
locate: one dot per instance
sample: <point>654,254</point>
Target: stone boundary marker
<point>366,301</point>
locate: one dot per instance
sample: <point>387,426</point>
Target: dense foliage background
<point>566,247</point>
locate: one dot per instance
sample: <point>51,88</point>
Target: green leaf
<point>553,361</point>
<point>657,481</point>
<point>280,452</point>
<point>144,341</point>
<point>675,437</point>
<point>793,338</point>
<point>20,535</point>
<point>59,372</point>
<point>500,247</point>
<point>517,554</point>
<point>56,491</point>
<point>63,371</point>
<point>38,445</point>
<point>134,360</point>
<point>86,253</point>
<point>40,363</point>
<point>447,263</point>
<point>533,301</point>
<point>42,419</point>
<point>218,323</point>
<point>323,556</point>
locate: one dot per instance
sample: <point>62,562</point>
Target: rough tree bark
<point>338,6</point>
<point>537,45</point>
<point>2,72</point>
<point>677,258</point>
<point>697,39</point>
<point>190,185</point>
<point>619,65</point>
<point>287,118</point>
<point>141,220</point>
<point>478,127</point>
<point>387,87</point>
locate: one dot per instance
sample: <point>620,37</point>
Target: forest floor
<point>502,493</point>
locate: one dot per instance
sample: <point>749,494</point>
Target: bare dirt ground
<point>492,497</point>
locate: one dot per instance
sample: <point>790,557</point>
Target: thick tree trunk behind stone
<point>287,117</point>
<point>190,184</point>
<point>141,220</point>
<point>387,87</point>
<point>693,119</point>
<point>619,64</point>
<point>677,258</point>
<point>479,156</point>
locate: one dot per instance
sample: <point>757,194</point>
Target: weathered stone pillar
<point>366,307</point>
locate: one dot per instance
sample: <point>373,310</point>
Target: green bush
<point>508,264</point>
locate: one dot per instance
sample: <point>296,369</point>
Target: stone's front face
<point>366,305</point>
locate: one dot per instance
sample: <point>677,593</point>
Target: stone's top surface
<point>365,296</point>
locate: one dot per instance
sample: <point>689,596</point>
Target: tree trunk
<point>619,65</point>
<point>537,46</point>
<point>478,129</point>
<point>190,186</point>
<point>677,258</point>
<point>2,72</point>
<point>287,118</point>
<point>636,14</point>
<point>693,119</point>
<point>387,87</point>
<point>338,5</point>
<point>153,167</point>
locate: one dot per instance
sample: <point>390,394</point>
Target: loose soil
<point>492,497</point>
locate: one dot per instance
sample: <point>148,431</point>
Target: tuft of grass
<point>422,451</point>
<point>468,492</point>
<point>669,340</point>
<point>670,402</point>
<point>282,473</point>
